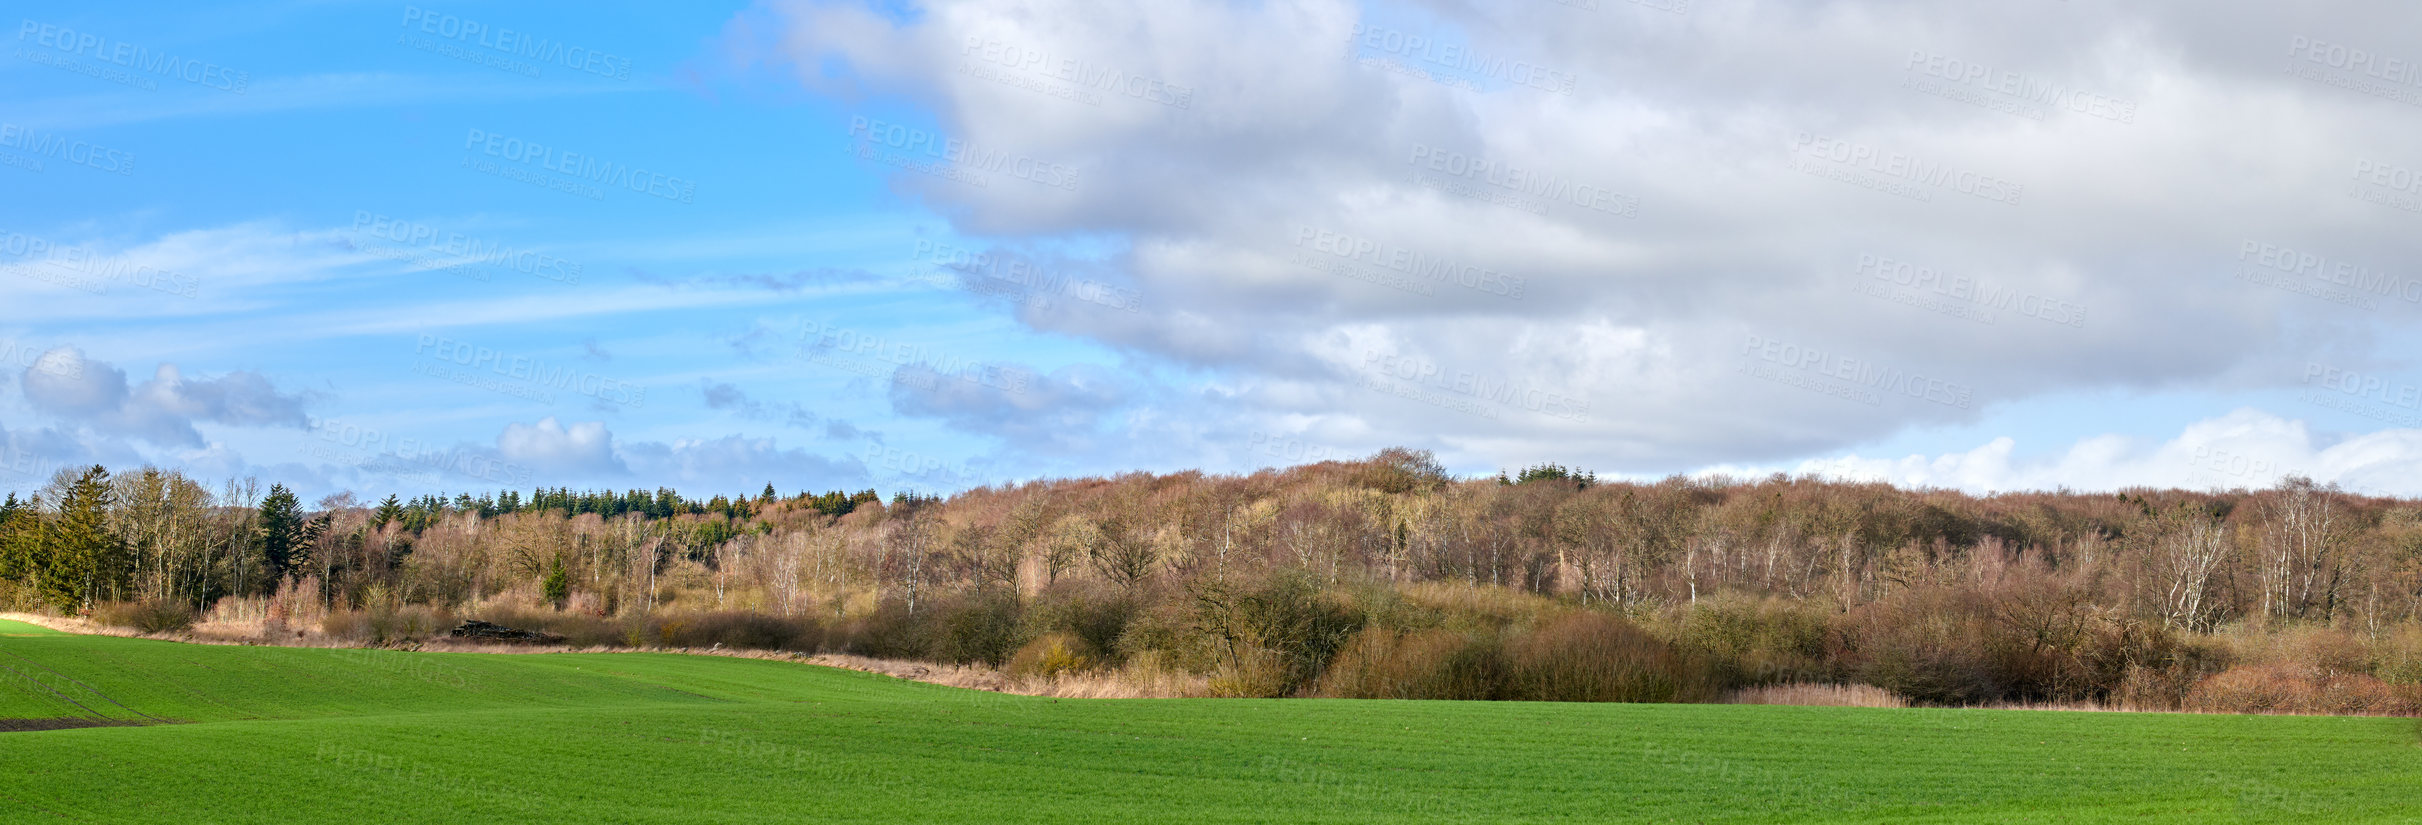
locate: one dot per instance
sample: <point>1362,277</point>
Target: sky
<point>398,248</point>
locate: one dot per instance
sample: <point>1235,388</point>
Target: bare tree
<point>2299,565</point>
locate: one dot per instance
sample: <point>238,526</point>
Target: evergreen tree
<point>281,530</point>
<point>88,562</point>
<point>22,556</point>
<point>389,512</point>
<point>558,585</point>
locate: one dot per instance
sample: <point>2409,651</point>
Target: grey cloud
<point>2129,220</point>
<point>162,410</point>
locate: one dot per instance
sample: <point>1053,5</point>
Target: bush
<point>740,629</point>
<point>1270,637</point>
<point>387,624</point>
<point>1053,654</point>
<point>890,632</point>
<point>1430,664</point>
<point>2397,657</point>
<point>1101,618</point>
<point>979,628</point>
<point>148,615</point>
<point>1253,672</point>
<point>2289,689</point>
<point>2031,642</point>
<point>577,630</point>
<point>1758,641</point>
<point>1588,656</point>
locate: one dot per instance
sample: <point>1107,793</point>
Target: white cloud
<point>582,449</point>
<point>2246,448</point>
<point>2118,257</point>
<point>163,410</point>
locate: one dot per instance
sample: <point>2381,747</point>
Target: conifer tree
<point>88,562</point>
<point>281,530</point>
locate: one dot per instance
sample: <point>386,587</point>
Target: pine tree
<point>389,512</point>
<point>88,562</point>
<point>281,529</point>
<point>558,585</point>
<point>22,556</point>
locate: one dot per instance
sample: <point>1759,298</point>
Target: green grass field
<point>272,734</point>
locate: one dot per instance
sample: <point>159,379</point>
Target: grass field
<point>272,734</point>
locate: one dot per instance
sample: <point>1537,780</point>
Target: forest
<point>1384,577</point>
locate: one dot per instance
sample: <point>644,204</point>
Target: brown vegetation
<point>1377,578</point>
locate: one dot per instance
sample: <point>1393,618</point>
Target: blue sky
<point>379,248</point>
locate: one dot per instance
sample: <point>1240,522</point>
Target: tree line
<point>1936,593</point>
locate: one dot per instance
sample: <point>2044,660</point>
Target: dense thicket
<point>1381,577</point>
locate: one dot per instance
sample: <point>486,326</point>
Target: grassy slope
<point>288,734</point>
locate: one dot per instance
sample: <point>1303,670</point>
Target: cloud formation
<point>162,410</point>
<point>1745,233</point>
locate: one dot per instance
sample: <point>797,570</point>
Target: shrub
<point>1381,663</point>
<point>2289,689</point>
<point>1587,656</point>
<point>1100,618</point>
<point>1758,641</point>
<point>888,632</point>
<point>1269,637</point>
<point>979,628</point>
<point>383,624</point>
<point>1053,654</point>
<point>2397,657</point>
<point>148,615</point>
<point>576,629</point>
<point>1253,672</point>
<point>740,629</point>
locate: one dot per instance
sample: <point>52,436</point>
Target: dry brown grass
<point>1139,680</point>
<point>1816,694</point>
<point>2297,690</point>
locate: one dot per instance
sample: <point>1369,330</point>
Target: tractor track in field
<point>99,717</point>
